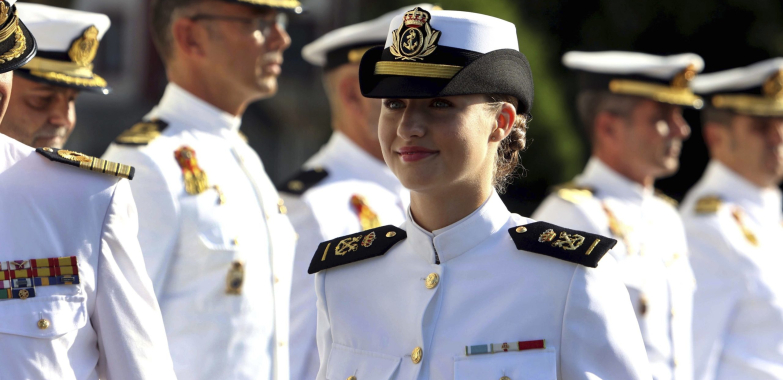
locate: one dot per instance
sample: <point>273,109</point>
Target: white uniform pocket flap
<point>525,365</point>
<point>43,317</point>
<point>345,362</point>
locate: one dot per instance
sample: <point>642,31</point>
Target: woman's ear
<point>504,122</point>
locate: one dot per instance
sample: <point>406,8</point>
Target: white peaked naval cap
<point>664,79</point>
<point>356,39</point>
<point>67,44</point>
<point>755,90</point>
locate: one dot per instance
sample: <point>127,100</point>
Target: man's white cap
<point>755,90</point>
<point>348,44</point>
<point>665,79</point>
<point>67,44</point>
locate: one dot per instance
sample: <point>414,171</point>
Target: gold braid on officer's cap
<point>11,30</point>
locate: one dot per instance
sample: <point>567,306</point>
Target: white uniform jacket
<point>377,315</point>
<point>324,212</point>
<point>734,232</point>
<point>651,253</point>
<point>195,244</point>
<point>108,325</point>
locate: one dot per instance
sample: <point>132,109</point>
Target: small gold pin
<point>521,230</point>
<point>281,206</point>
<point>391,234</point>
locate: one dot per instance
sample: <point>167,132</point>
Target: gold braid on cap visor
<point>657,92</point>
<point>750,104</point>
<point>274,3</point>
<point>65,72</point>
<point>20,45</point>
<point>416,69</point>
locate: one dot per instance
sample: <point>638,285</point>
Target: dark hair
<point>711,114</point>
<point>162,15</point>
<point>508,152</point>
<point>590,103</point>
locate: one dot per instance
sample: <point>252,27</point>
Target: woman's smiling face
<point>438,143</point>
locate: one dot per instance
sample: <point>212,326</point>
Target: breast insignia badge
<point>562,243</point>
<point>86,162</point>
<point>196,181</point>
<point>19,278</point>
<point>367,217</point>
<point>235,278</point>
<point>355,247</point>
<point>739,217</point>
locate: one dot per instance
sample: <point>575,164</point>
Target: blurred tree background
<point>290,127</point>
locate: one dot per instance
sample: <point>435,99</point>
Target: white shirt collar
<point>462,236</point>
<point>607,181</point>
<point>762,202</point>
<point>180,106</point>
<point>354,162</point>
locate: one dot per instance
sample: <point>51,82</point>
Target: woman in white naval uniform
<point>464,289</point>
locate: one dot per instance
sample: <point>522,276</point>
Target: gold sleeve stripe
<point>417,69</point>
<point>107,167</point>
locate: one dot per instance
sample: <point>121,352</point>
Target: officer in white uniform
<point>492,296</point>
<point>631,104</point>
<point>42,111</point>
<point>346,187</point>
<point>216,241</point>
<point>75,299</point>
<point>734,225</point>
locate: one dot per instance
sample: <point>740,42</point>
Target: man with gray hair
<point>216,241</point>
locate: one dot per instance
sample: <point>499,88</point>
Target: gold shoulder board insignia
<point>573,193</point>
<point>142,133</point>
<point>708,204</point>
<point>666,198</point>
<point>574,246</point>
<point>303,181</point>
<point>355,247</point>
<point>88,163</point>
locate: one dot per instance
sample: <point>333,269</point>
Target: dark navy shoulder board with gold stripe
<point>356,247</point>
<point>88,163</point>
<point>562,243</point>
<point>142,133</point>
<point>303,181</point>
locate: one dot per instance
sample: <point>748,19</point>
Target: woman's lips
<point>415,153</point>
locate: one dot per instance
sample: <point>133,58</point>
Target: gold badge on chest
<point>196,181</point>
<point>235,278</point>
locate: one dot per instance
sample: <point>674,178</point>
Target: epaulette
<point>303,181</point>
<point>356,247</point>
<point>88,163</point>
<point>562,243</point>
<point>142,133</point>
<point>666,198</point>
<point>572,193</point>
<point>708,204</point>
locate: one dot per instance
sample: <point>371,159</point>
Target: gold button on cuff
<point>432,280</point>
<point>391,234</point>
<point>416,355</point>
<point>43,323</point>
<point>520,230</point>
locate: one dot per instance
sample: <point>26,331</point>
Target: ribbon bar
<point>40,281</point>
<point>504,347</point>
<point>53,262</point>
<point>7,294</point>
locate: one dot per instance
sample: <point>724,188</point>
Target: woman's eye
<point>440,104</point>
<point>393,104</point>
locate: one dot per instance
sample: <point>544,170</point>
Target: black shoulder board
<point>142,133</point>
<point>355,247</point>
<point>303,181</point>
<point>562,243</point>
<point>573,193</point>
<point>88,163</point>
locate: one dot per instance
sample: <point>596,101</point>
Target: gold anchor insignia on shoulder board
<point>568,242</point>
<point>409,42</point>
<point>347,245</point>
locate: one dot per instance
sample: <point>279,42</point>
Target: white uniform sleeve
<point>126,318</point>
<point>558,211</point>
<point>719,289</point>
<point>158,213</point>
<point>601,338</point>
<point>304,351</point>
<point>324,331</point>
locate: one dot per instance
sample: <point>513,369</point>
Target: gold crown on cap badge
<point>85,48</point>
<point>410,43</point>
<point>684,78</point>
